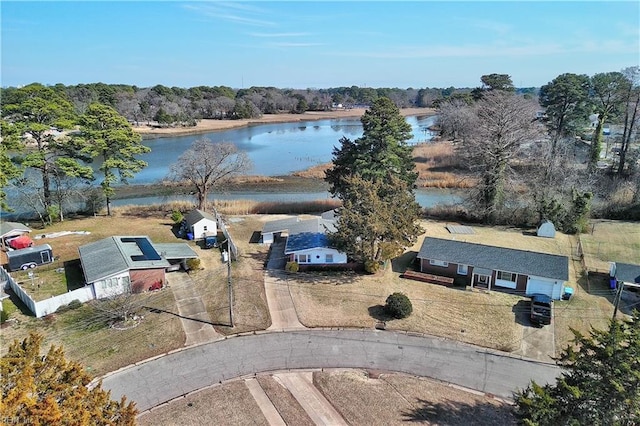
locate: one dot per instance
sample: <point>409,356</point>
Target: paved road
<point>162,379</point>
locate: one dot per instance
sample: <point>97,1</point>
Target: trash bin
<point>568,292</point>
<point>189,236</point>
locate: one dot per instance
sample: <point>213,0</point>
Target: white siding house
<point>201,224</point>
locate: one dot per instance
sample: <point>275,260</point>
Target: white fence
<point>47,306</point>
<point>232,246</point>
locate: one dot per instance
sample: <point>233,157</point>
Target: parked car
<point>210,241</point>
<point>541,309</point>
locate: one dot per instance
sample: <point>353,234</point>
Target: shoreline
<point>211,125</point>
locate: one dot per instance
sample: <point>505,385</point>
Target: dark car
<point>541,309</point>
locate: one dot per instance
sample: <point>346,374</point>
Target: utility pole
<point>230,288</point>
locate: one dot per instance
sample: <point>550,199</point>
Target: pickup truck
<point>541,309</point>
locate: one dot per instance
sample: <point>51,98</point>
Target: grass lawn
<point>361,398</point>
<point>396,399</point>
<point>230,404</point>
<point>610,241</point>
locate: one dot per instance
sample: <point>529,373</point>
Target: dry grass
<point>610,241</point>
<point>395,399</point>
<point>289,408</point>
<point>390,399</point>
<point>88,340</point>
<point>247,275</point>
<point>230,404</point>
<point>315,172</point>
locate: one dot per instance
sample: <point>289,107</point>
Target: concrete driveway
<point>537,342</point>
<point>194,317</point>
<point>276,285</point>
<point>176,374</point>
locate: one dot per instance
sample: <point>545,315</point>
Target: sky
<point>309,44</point>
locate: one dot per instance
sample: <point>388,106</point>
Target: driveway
<point>194,317</point>
<point>162,379</point>
<point>537,342</point>
<point>276,285</point>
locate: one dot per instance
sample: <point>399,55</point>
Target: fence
<point>233,249</point>
<point>47,306</point>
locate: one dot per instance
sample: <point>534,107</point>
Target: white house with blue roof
<point>308,244</point>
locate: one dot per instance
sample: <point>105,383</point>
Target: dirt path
<point>314,403</point>
<point>194,316</point>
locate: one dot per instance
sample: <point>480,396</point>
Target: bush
<point>177,216</point>
<point>371,266</point>
<point>4,316</point>
<point>292,267</point>
<point>74,304</point>
<point>398,306</point>
<point>193,264</point>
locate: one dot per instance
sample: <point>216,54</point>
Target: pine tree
<point>600,384</point>
<point>50,390</point>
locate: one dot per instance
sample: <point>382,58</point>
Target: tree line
<point>172,106</point>
<point>549,158</point>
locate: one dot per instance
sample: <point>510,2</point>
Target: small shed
<point>546,229</point>
<point>201,224</point>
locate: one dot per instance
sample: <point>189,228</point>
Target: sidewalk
<point>314,403</point>
<point>195,319</point>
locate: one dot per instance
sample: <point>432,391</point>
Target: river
<point>276,149</point>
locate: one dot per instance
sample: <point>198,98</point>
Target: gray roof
<point>14,228</point>
<point>172,251</point>
<point>628,273</point>
<point>496,258</point>
<point>113,255</point>
<point>279,225</point>
<point>195,216</point>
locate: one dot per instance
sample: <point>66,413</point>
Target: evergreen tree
<point>50,390</point>
<point>600,384</point>
<point>108,136</point>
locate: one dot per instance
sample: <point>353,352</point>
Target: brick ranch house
<point>496,268</point>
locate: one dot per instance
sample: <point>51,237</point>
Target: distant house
<point>11,230</point>
<point>201,224</point>
<point>120,264</point>
<point>306,240</point>
<point>492,267</point>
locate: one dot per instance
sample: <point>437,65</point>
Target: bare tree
<point>503,123</point>
<point>206,165</point>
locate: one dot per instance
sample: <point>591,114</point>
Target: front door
<point>46,258</point>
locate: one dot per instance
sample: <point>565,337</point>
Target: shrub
<point>193,263</point>
<point>74,304</point>
<point>398,306</point>
<point>371,266</point>
<point>292,267</point>
<point>177,216</point>
<point>4,316</point>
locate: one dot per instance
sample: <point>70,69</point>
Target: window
<point>506,276</point>
<point>205,228</point>
<point>463,269</point>
<point>303,258</point>
<point>329,258</point>
<point>438,263</point>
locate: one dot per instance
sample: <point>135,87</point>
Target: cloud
<point>293,44</point>
<point>274,35</point>
<point>233,12</point>
<point>496,50</point>
<point>497,27</point>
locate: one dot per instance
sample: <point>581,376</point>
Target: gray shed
<point>546,229</point>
